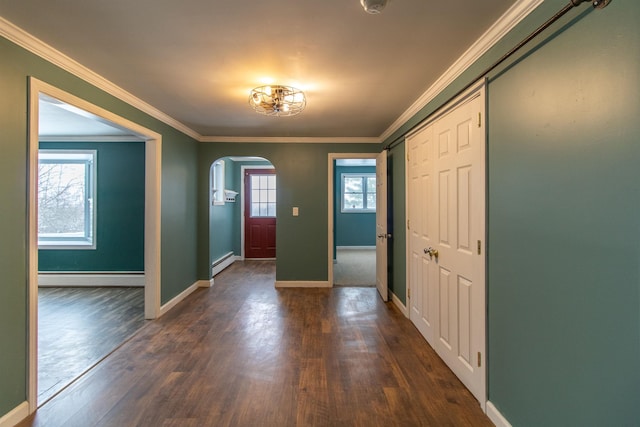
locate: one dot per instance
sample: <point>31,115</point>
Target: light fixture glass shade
<point>373,6</point>
<point>277,100</point>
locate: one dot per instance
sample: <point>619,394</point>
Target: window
<point>217,183</point>
<point>358,192</point>
<point>263,196</point>
<point>66,199</point>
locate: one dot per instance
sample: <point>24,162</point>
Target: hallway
<point>243,353</point>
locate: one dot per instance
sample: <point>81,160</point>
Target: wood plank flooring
<point>243,353</point>
<point>79,326</point>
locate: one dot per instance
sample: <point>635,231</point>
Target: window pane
<point>371,184</point>
<point>371,201</point>
<point>218,181</point>
<point>353,201</point>
<point>263,195</point>
<point>353,185</point>
<point>65,197</point>
<point>61,199</point>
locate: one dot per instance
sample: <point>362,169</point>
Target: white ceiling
<point>196,61</point>
<point>59,120</point>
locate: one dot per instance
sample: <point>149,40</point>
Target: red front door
<point>259,213</point>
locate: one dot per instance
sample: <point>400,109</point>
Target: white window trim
<point>60,243</point>
<point>364,192</point>
<point>217,183</point>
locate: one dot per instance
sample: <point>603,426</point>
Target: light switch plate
<point>295,211</point>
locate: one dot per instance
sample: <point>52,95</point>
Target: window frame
<point>217,182</point>
<point>268,189</point>
<point>65,156</point>
<point>364,177</point>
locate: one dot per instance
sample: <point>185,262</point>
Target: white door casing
<point>446,199</point>
<point>152,216</point>
<point>382,235</point>
<point>332,157</point>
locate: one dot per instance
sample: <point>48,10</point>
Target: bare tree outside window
<point>65,202</point>
<point>358,192</point>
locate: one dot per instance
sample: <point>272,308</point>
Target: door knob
<point>431,252</point>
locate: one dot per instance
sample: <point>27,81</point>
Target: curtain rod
<point>597,4</point>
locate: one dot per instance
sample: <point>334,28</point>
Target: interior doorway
<point>228,206</point>
<point>85,116</point>
<point>352,219</point>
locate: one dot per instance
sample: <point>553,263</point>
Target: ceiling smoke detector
<point>373,6</point>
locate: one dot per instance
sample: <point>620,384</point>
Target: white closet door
<point>446,244</point>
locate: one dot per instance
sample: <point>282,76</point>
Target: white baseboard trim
<point>205,283</point>
<point>16,415</point>
<point>496,417</point>
<point>302,284</point>
<point>90,279</point>
<point>373,248</point>
<point>226,262</point>
<point>399,304</point>
<point>178,298</point>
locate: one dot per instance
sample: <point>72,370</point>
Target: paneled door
<point>382,236</point>
<point>260,213</point>
<point>446,172</point>
<point>422,294</point>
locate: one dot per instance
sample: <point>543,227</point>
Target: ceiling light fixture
<point>373,6</point>
<point>277,100</point>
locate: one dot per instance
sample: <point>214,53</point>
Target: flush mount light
<point>277,100</point>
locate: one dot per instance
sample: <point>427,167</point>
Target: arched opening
<point>242,210</point>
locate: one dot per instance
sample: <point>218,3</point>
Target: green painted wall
<point>119,212</point>
<point>352,229</point>
<point>178,222</point>
<point>563,218</point>
<point>564,226</point>
<point>302,171</point>
<point>223,219</point>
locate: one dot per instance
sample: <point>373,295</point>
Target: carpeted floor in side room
<point>355,267</point>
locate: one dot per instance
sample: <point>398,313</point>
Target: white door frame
<point>153,171</point>
<point>330,196</point>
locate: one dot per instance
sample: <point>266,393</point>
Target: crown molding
<point>512,17</point>
<point>91,138</point>
<point>293,140</point>
<point>36,46</point>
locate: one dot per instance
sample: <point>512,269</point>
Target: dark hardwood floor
<point>245,354</point>
<point>79,326</point>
